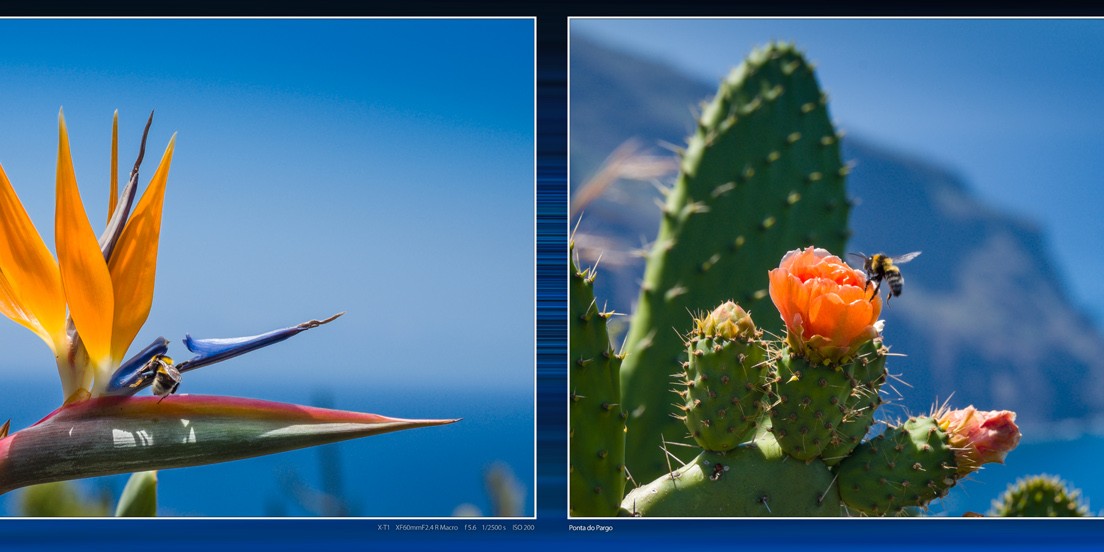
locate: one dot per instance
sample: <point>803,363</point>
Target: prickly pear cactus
<point>751,480</point>
<point>868,373</point>
<point>780,434</point>
<point>906,466</point>
<point>761,175</point>
<point>1040,496</point>
<point>725,379</point>
<point>808,405</point>
<point>597,435</point>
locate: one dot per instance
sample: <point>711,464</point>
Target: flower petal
<point>113,194</point>
<point>84,273</point>
<point>836,308</point>
<point>210,351</point>
<point>127,434</point>
<point>121,213</point>
<point>29,269</point>
<point>13,309</point>
<point>133,262</point>
<point>126,380</point>
<point>979,437</point>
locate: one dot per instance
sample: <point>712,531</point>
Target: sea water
<point>1075,457</point>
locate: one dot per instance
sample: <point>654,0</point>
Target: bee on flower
<point>87,305</point>
<point>828,309</point>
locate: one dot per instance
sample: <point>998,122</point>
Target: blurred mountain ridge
<point>985,314</point>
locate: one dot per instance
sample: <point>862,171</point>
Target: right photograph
<point>836,267</point>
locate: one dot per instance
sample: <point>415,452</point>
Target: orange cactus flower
<point>979,436</point>
<point>828,309</point>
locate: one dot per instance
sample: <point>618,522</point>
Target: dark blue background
<point>552,527</point>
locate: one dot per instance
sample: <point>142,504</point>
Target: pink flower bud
<point>979,437</point>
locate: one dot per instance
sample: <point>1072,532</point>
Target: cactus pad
<point>908,465</point>
<point>868,373</point>
<point>597,434</point>
<point>751,480</point>
<point>725,382</point>
<point>761,176</point>
<point>808,405</point>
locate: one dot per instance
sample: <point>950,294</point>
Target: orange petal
<point>854,319</point>
<point>83,270</point>
<point>790,296</point>
<point>113,198</point>
<point>12,308</point>
<point>779,291</point>
<point>134,261</point>
<point>825,312</point>
<point>850,294</point>
<point>29,268</point>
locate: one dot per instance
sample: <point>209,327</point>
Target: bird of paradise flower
<point>88,305</point>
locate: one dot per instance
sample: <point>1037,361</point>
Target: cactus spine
<point>761,175</point>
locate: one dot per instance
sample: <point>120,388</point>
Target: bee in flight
<point>166,378</point>
<point>880,267</point>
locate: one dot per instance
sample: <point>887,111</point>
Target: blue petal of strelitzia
<point>128,378</point>
<point>210,351</point>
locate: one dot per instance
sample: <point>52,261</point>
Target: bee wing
<point>859,257</point>
<point>905,258</point>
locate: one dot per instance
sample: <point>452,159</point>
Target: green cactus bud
<point>908,465</point>
<point>725,379</point>
<point>727,321</point>
<point>1040,496</point>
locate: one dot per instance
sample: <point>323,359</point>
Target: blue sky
<point>379,167</point>
<point>1013,106</point>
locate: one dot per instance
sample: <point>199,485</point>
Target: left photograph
<point>267,268</point>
